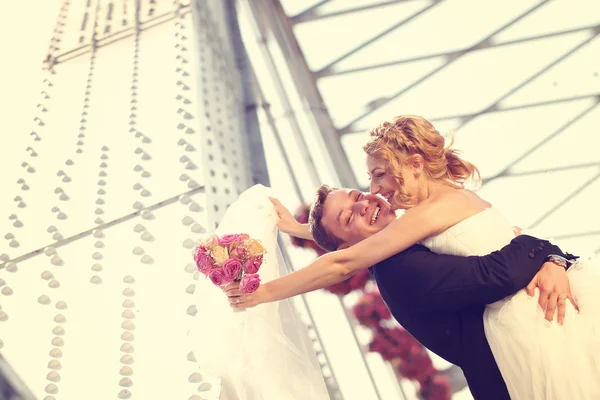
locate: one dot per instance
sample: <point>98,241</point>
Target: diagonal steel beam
<point>105,225</point>
<point>576,235</point>
<point>568,197</point>
<point>373,39</point>
<point>571,167</point>
<point>508,174</point>
<point>120,35</point>
<point>506,171</point>
<point>442,67</point>
<point>282,97</point>
<point>314,15</point>
<point>272,14</point>
<point>455,53</point>
<point>310,10</point>
<point>259,173</point>
<point>556,133</point>
<point>591,96</point>
<point>495,104</point>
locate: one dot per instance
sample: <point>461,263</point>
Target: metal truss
<point>110,38</point>
<point>316,12</point>
<point>270,14</point>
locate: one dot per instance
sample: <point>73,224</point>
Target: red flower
<point>203,260</point>
<point>231,269</point>
<point>250,283</point>
<point>370,310</point>
<point>392,342</point>
<point>416,364</point>
<point>436,387</point>
<point>252,265</point>
<point>227,240</point>
<point>217,277</point>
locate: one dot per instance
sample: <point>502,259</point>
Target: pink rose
<point>239,252</point>
<point>252,265</point>
<point>232,268</point>
<point>226,240</point>
<point>203,260</point>
<point>250,283</point>
<point>217,277</point>
<point>219,254</point>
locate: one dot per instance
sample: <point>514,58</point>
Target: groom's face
<point>353,216</point>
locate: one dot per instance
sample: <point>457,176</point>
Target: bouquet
<point>231,258</point>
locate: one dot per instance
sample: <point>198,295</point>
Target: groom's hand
<point>554,287</point>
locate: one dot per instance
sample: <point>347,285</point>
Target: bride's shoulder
<point>449,197</point>
<point>462,198</point>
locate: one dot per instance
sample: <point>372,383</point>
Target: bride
<point>250,351</point>
<point>410,166</point>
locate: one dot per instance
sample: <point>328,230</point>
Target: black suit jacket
<point>440,300</point>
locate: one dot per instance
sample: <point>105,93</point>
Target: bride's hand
<point>239,300</point>
<point>287,223</point>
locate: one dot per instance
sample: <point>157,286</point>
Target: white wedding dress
<point>264,352</point>
<point>538,360</point>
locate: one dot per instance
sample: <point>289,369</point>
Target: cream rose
<point>219,254</point>
<point>211,242</point>
<point>255,248</point>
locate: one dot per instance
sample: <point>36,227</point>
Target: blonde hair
<point>397,141</point>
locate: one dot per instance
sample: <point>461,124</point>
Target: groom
<point>440,299</point>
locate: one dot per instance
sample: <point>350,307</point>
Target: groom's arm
<point>432,282</point>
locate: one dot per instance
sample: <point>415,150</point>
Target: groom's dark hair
<point>321,236</point>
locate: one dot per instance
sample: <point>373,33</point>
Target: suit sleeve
<point>450,283</point>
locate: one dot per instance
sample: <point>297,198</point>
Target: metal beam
<point>12,386</point>
<point>103,226</point>
<point>592,96</point>
<point>576,235</point>
<point>494,106</point>
<point>272,13</point>
<point>253,139</point>
<point>282,96</point>
<point>313,14</point>
<point>373,39</point>
<point>568,196</point>
<point>310,10</point>
<point>453,54</point>
<point>551,136</point>
<point>435,71</point>
<point>120,35</point>
<point>271,122</point>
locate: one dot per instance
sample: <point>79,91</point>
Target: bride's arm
<point>288,224</point>
<point>423,220</point>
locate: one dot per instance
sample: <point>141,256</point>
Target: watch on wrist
<point>559,260</point>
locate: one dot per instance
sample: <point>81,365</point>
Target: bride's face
<point>384,183</point>
<point>353,216</point>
